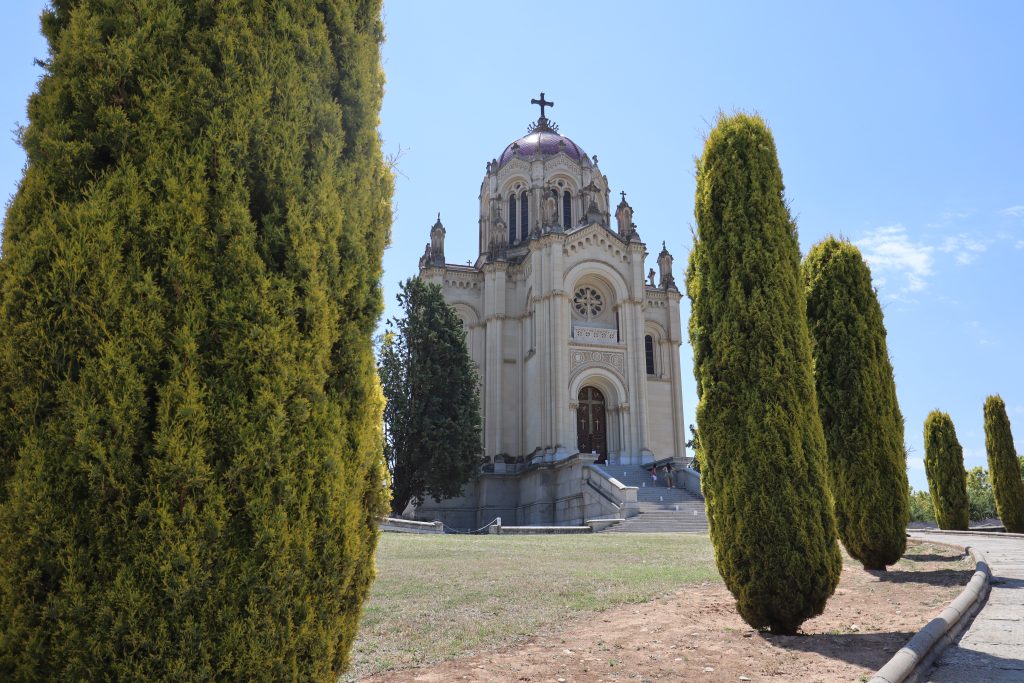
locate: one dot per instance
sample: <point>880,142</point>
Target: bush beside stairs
<point>661,509</point>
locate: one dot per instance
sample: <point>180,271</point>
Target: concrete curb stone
<point>917,656</point>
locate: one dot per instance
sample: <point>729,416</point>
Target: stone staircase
<point>661,509</point>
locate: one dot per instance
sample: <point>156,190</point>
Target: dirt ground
<point>696,634</point>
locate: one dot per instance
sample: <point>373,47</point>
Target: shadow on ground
<point>936,577</point>
<point>869,650</point>
<point>928,557</point>
<point>957,665</point>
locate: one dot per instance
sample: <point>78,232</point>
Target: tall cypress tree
<point>190,444</point>
<point>944,467</point>
<point>768,505</point>
<point>866,463</point>
<point>432,419</point>
<point>1003,466</point>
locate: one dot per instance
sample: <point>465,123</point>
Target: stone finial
<point>665,266</point>
<point>436,246</point>
<point>425,260</point>
<point>624,217</point>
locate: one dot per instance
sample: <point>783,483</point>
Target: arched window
<point>567,209</point>
<point>511,218</point>
<point>649,353</point>
<point>524,215</point>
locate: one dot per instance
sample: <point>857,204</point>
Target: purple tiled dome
<point>549,143</point>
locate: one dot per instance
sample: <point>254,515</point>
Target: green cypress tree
<point>944,467</point>
<point>1003,466</point>
<point>432,419</point>
<point>866,462</point>
<point>768,505</point>
<point>190,442</point>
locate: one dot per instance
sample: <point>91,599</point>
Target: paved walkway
<point>992,649</point>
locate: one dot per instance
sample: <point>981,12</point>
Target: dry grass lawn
<point>439,597</point>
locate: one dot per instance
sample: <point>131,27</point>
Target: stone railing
<point>687,478</point>
<point>595,335</point>
<point>409,526</point>
<point>607,496</point>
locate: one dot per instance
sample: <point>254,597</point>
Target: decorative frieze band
<point>583,357</point>
<point>595,335</point>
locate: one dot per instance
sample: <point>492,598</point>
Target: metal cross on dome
<point>543,103</point>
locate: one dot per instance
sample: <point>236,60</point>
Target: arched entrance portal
<point>591,425</point>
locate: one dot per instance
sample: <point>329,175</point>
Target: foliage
<point>190,450</point>
<point>944,467</point>
<point>921,509</point>
<point>866,462</point>
<point>694,444</point>
<point>769,510</point>
<point>432,417</point>
<point>1004,466</point>
<point>980,497</point>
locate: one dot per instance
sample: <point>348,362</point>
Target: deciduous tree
<point>769,510</point>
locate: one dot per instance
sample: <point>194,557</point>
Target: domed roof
<point>547,142</point>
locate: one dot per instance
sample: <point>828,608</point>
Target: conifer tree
<point>866,463</point>
<point>190,446</point>
<point>432,416</point>
<point>1003,466</point>
<point>944,467</point>
<point>769,511</point>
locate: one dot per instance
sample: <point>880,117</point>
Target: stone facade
<point>577,351</point>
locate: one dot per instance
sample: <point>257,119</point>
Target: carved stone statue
<point>551,208</point>
<point>650,277</point>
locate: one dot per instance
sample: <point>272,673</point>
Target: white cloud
<point>1015,211</point>
<point>966,248</point>
<point>975,457</point>
<point>981,334</point>
<point>889,250</point>
<point>1020,244</point>
<point>947,217</point>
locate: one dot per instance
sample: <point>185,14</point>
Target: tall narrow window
<point>566,209</point>
<point>524,215</point>
<point>649,353</point>
<point>511,218</point>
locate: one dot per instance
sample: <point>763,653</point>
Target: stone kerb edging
<point>969,532</point>
<point>917,655</point>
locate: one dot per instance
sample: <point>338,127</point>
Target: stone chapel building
<point>577,350</point>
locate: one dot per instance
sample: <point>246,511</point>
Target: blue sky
<point>898,125</point>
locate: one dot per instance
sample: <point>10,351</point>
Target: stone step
<point>653,521</point>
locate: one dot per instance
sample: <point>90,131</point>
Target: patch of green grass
<point>438,597</point>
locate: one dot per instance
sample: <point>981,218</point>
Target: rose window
<point>588,302</point>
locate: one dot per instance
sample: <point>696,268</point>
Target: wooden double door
<point>591,425</point>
